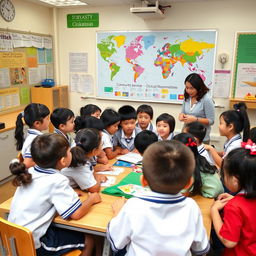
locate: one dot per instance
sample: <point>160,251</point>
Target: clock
<point>7,10</point>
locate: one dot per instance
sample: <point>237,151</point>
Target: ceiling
<point>123,2</point>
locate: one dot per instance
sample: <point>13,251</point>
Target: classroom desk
<point>97,219</point>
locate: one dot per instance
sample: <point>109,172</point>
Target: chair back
<point>15,240</point>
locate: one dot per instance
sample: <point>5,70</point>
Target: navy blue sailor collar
<point>34,131</point>
<point>45,170</point>
<point>160,198</point>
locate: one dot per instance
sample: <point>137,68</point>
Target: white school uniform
<point>159,224</point>
<point>70,140</point>
<point>233,143</point>
<point>150,127</point>
<point>81,176</point>
<point>31,135</point>
<point>35,205</point>
<point>107,140</point>
<point>203,152</point>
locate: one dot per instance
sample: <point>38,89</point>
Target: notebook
<point>131,157</point>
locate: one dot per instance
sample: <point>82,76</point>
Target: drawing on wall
<point>153,65</point>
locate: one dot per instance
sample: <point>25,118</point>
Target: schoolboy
<point>162,221</point>
<point>125,135</point>
<point>63,122</point>
<point>144,139</point>
<point>42,192</point>
<point>198,130</point>
<point>144,117</point>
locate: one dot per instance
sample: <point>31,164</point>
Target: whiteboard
<point>152,65</point>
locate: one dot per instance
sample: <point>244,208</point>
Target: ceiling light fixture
<point>61,3</point>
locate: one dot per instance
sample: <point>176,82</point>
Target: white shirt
<point>81,176</point>
<point>203,152</point>
<point>233,143</point>
<point>150,127</point>
<point>31,135</point>
<point>159,224</point>
<point>35,205</point>
<point>107,140</point>
<point>70,140</point>
<point>168,138</point>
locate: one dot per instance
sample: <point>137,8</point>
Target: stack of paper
<point>131,157</point>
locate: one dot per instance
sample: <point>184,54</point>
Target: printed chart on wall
<point>245,66</point>
<point>152,65</point>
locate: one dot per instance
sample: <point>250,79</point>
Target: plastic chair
<point>17,240</point>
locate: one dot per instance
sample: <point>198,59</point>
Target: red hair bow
<point>249,145</point>
<point>190,143</point>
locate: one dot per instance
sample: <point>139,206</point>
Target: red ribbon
<point>249,145</point>
<point>190,143</point>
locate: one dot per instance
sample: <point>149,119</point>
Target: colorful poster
<point>152,66</point>
<point>9,98</point>
<point>24,95</point>
<point>18,76</point>
<point>12,60</point>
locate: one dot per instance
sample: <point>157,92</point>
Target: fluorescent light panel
<point>63,2</point>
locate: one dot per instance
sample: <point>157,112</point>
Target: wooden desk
<point>97,219</point>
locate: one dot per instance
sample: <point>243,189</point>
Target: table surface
<point>100,214</point>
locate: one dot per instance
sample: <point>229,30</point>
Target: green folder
<point>131,178</point>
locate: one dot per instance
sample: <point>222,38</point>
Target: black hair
<point>197,129</point>
<point>145,109</point>
<point>167,118</point>
<point>239,119</point>
<point>88,122</point>
<point>144,139</point>
<point>127,112</point>
<point>198,83</point>
<point>86,140</point>
<point>202,165</point>
<point>167,166</point>
<point>109,117</point>
<point>32,113</point>
<point>61,116</point>
<point>88,110</point>
<point>252,135</point>
<point>22,176</point>
<point>47,149</point>
<point>241,164</point>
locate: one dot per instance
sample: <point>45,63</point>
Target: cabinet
<point>7,152</point>
<point>54,97</point>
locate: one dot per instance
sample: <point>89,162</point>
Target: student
<point>144,139</point>
<point>206,179</point>
<point>237,229</point>
<point>232,123</point>
<point>42,192</point>
<point>125,135</point>
<point>252,135</point>
<point>90,110</point>
<point>80,171</point>
<point>144,117</point>
<point>162,221</point>
<point>165,125</point>
<point>96,123</point>
<point>198,130</point>
<point>63,122</point>
<point>111,121</point>
<point>36,117</point>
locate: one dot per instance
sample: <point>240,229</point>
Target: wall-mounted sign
<point>83,20</point>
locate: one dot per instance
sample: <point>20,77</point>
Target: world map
<point>130,59</point>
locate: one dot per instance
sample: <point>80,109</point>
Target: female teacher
<point>197,105</point>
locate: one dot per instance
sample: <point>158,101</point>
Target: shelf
<point>251,104</point>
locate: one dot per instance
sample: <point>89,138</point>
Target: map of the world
<point>152,66</point>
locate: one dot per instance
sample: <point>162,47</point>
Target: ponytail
<point>19,134</point>
<point>18,169</point>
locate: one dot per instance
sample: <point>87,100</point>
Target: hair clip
<point>190,143</point>
<point>249,145</point>
<point>22,113</point>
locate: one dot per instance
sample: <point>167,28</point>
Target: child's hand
<point>117,205</point>
<point>94,197</point>
<point>225,196</point>
<point>108,167</point>
<point>101,178</point>
<point>208,147</point>
<point>124,151</point>
<point>219,204</point>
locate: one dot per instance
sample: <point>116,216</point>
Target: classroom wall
<point>227,16</point>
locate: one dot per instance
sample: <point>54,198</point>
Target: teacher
<point>197,105</point>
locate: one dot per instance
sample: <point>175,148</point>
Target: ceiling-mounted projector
<point>148,12</point>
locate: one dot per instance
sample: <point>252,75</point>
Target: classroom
<point>226,17</point>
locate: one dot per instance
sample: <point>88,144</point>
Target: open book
<point>131,157</point>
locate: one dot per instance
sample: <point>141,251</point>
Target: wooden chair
<point>16,240</point>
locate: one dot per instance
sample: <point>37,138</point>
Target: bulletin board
<point>152,65</point>
<point>244,80</point>
<point>25,60</point>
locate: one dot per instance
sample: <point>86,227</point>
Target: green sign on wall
<point>83,20</point>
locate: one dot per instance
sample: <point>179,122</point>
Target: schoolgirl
<point>165,125</point>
